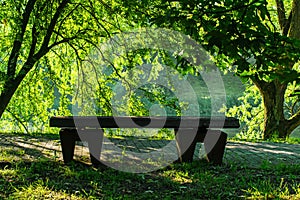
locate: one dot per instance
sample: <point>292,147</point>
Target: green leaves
<point>235,29</point>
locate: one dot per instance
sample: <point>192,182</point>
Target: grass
<point>290,140</point>
<point>46,179</point>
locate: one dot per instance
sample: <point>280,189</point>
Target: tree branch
<point>44,48</point>
<point>260,84</point>
<point>294,121</point>
<point>97,20</point>
<point>294,105</point>
<point>33,43</point>
<point>288,24</point>
<point>12,62</point>
<point>281,14</point>
<point>294,28</point>
<point>19,120</point>
<point>64,40</point>
<point>64,19</point>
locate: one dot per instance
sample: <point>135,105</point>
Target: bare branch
<point>97,20</point>
<point>65,17</point>
<point>64,40</point>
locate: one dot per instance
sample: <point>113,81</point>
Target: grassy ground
<point>50,179</point>
<point>46,179</point>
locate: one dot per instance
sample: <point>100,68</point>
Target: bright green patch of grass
<point>197,180</point>
<point>291,140</point>
<point>47,179</point>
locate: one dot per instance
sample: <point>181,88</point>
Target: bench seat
<point>188,131</point>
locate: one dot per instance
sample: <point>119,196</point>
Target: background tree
<point>42,44</point>
<point>258,40</point>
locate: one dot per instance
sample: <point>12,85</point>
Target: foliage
<point>253,39</point>
<point>250,113</point>
<point>42,46</point>
<point>33,103</point>
<point>48,43</point>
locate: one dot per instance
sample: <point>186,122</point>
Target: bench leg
<point>68,137</point>
<point>214,144</point>
<point>94,138</point>
<point>186,143</point>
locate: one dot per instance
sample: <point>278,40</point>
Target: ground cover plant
<point>49,178</point>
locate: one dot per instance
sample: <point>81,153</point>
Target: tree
<point>273,91</point>
<point>47,37</point>
<point>43,41</point>
<point>251,39</point>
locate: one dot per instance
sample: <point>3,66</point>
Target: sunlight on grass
<point>293,140</point>
<point>53,180</point>
<point>40,190</point>
<point>178,176</point>
<point>268,190</point>
<point>43,178</point>
<point>10,154</point>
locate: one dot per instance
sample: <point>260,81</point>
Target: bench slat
<point>143,122</point>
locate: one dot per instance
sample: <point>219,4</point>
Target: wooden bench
<point>188,131</point>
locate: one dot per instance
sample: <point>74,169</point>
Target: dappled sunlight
<point>265,189</point>
<point>40,190</point>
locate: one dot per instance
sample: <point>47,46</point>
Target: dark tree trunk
<point>8,91</point>
<point>275,123</point>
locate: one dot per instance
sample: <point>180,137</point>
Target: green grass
<point>290,140</point>
<point>53,180</point>
<point>49,179</point>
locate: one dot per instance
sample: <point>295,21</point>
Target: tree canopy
<point>258,40</point>
<point>45,43</point>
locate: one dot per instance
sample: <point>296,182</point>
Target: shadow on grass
<point>46,178</point>
<point>198,180</point>
<point>16,148</point>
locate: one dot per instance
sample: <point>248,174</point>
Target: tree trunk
<point>294,29</point>
<point>275,124</point>
<point>10,87</point>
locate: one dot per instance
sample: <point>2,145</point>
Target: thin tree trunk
<point>8,91</point>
